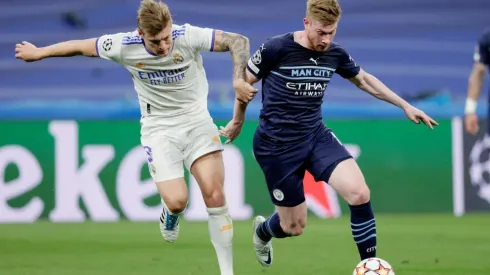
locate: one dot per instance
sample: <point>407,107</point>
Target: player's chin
<point>163,53</point>
<point>322,48</point>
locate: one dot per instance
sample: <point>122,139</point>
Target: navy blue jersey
<point>482,50</point>
<point>294,80</point>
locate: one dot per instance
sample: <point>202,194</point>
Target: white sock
<point>221,233</point>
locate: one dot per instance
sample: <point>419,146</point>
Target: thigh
<point>348,181</point>
<point>326,153</point>
<point>284,170</point>
<point>208,170</point>
<point>164,158</point>
<point>202,140</point>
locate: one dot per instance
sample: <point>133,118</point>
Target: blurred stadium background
<point>54,113</point>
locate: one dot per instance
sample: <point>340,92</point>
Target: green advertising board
<point>71,171</point>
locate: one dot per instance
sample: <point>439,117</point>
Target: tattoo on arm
<point>239,47</point>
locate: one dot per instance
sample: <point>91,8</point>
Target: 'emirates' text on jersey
<point>175,86</point>
<point>294,80</point>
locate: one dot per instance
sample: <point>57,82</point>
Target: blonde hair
<point>327,12</point>
<point>153,16</point>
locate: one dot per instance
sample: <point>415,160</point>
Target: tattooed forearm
<point>239,47</point>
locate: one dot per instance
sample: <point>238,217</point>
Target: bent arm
<point>376,88</point>
<point>239,47</point>
<point>86,47</point>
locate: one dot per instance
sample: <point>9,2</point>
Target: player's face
<point>320,36</point>
<point>161,43</point>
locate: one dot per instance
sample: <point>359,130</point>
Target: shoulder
<point>179,31</point>
<point>193,37</point>
<point>277,42</point>
<point>485,37</point>
<point>337,48</point>
<point>130,38</point>
<point>273,47</point>
<point>112,45</point>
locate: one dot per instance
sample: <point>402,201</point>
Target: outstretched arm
<point>29,52</point>
<point>375,87</point>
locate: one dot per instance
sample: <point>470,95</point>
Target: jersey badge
<point>107,44</point>
<point>178,58</point>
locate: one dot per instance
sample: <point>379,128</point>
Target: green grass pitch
<point>431,244</point>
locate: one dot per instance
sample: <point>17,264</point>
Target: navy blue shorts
<point>284,164</point>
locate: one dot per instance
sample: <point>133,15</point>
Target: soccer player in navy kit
<point>295,68</point>
<point>481,60</point>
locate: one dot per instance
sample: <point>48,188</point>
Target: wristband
<point>470,106</point>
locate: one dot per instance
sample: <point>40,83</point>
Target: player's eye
<point>155,41</point>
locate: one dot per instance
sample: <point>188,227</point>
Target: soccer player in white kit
<point>176,127</point>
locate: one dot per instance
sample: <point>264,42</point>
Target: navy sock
<point>363,228</point>
<point>271,228</point>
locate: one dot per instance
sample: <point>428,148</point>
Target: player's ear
<point>140,32</point>
<point>306,22</point>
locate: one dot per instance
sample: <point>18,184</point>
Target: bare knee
<point>358,196</point>
<point>174,193</point>
<point>293,228</point>
<point>214,197</point>
<point>176,204</point>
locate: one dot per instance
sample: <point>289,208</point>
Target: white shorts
<point>168,149</point>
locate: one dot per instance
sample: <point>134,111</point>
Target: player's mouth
<point>322,48</point>
<point>162,52</point>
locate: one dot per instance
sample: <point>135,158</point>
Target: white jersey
<point>173,87</point>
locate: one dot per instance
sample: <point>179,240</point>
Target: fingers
<point>231,137</point>
<point>222,132</point>
<point>18,49</point>
<point>428,121</point>
<point>420,116</point>
<point>433,122</point>
<point>415,119</point>
<point>246,98</point>
<point>472,128</point>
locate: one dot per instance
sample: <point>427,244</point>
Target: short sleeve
<point>200,39</point>
<point>482,49</point>
<point>347,68</point>
<point>264,60</point>
<point>109,46</point>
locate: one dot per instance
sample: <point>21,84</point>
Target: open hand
<point>471,124</point>
<point>417,116</point>
<point>231,131</point>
